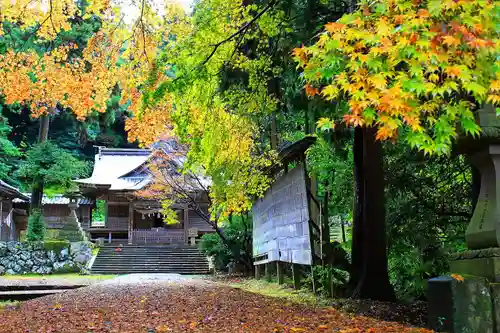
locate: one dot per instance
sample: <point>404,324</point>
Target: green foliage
<point>99,210</point>
<point>36,227</point>
<point>328,281</point>
<point>237,248</point>
<point>212,245</point>
<point>428,210</point>
<point>8,151</point>
<point>55,166</point>
<point>56,245</point>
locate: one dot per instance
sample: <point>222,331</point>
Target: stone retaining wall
<point>38,258</point>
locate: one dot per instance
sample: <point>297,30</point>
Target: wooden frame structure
<point>295,153</point>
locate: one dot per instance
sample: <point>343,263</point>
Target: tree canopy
<point>417,70</point>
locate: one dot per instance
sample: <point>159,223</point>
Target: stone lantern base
<point>72,229</point>
<point>485,263</point>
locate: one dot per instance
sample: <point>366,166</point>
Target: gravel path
<point>174,303</point>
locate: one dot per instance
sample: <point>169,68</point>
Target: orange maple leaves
<point>389,59</point>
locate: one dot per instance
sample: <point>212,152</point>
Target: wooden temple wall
<point>55,216</point>
<point>117,216</point>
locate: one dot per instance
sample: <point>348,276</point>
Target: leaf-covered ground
<point>184,305</point>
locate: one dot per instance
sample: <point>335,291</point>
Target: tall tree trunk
<point>369,276</point>
<point>37,186</point>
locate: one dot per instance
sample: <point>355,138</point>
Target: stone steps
<point>131,259</point>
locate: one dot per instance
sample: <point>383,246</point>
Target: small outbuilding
<point>8,194</point>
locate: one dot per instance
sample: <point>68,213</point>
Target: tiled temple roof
<point>112,167</point>
<point>9,191</point>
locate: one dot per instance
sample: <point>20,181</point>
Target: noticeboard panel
<point>281,221</point>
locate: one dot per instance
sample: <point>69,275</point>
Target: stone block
<point>485,267</point>
<point>495,297</point>
<point>460,306</point>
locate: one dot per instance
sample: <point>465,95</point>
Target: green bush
<point>238,247</point>
<point>56,245</point>
<point>212,246</point>
<point>322,277</point>
<point>36,227</point>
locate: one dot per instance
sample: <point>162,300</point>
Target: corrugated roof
<point>57,199</point>
<point>10,191</point>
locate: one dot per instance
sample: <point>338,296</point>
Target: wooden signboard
<point>281,221</point>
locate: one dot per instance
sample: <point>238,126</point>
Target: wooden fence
<point>158,236</point>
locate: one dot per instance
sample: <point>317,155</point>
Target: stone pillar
<point>460,306</point>
<point>483,231</point>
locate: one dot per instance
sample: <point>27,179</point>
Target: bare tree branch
<point>240,31</point>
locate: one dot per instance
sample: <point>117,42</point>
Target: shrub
<point>212,246</point>
<point>322,277</point>
<point>238,246</point>
<point>36,226</point>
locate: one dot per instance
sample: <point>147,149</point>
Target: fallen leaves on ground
<point>187,306</point>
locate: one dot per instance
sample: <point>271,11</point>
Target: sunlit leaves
<point>54,76</point>
<point>213,97</point>
<point>406,65</point>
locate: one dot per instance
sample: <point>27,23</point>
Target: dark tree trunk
<point>369,276</point>
<point>37,186</point>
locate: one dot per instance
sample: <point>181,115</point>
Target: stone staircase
<point>131,259</point>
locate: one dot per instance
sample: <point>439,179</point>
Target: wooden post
<point>130,221</point>
<point>106,211</point>
<point>13,229</point>
<point>280,273</point>
<point>330,282</point>
<point>186,225</point>
<point>296,276</point>
<point>257,272</point>
<point>268,271</point>
<point>313,279</point>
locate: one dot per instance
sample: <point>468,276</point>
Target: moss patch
<point>4,304</point>
<point>284,291</point>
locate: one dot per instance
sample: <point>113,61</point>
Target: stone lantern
<point>72,229</point>
<point>469,299</point>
